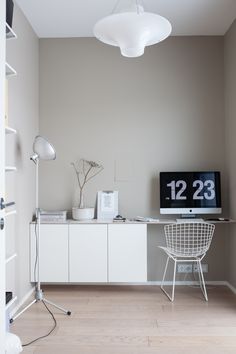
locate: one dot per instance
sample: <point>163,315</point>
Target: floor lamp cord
<point>39,297</point>
<point>48,334</point>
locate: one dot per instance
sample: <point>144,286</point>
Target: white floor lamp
<point>43,150</point>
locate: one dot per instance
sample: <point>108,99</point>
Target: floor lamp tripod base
<point>43,150</point>
<point>39,297</point>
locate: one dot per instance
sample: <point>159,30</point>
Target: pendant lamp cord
<point>137,7</point>
<point>114,8</point>
<point>136,4</point>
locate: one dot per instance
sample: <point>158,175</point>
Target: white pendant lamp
<point>132,30</point>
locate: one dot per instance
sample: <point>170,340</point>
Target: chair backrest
<point>189,239</point>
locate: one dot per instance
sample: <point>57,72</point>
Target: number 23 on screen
<point>178,188</point>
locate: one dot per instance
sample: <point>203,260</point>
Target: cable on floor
<point>51,330</point>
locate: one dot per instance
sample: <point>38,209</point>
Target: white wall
<point>22,54</point>
<point>163,111</point>
<point>230,115</point>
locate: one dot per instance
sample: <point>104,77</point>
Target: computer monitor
<point>190,193</point>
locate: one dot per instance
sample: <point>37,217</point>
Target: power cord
<point>46,335</point>
<point>50,312</point>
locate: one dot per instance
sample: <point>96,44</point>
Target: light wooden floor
<point>132,320</point>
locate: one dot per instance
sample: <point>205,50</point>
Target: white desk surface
<point>130,221</point>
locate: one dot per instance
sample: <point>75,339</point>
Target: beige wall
<point>22,54</point>
<point>230,115</point>
<point>163,111</point>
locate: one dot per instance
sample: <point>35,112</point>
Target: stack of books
<point>53,216</point>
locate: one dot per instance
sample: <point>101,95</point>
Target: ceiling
<point>76,18</point>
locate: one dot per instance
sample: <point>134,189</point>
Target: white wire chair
<point>187,242</point>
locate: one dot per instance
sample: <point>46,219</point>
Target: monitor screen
<point>190,193</point>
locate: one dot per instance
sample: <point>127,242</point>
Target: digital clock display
<point>190,190</point>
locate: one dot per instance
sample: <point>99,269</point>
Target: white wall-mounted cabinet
<point>90,253</point>
<point>53,249</point>
<point>127,249</point>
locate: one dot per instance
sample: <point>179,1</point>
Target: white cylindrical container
<point>82,213</point>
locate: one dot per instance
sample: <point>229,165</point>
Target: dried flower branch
<point>85,171</point>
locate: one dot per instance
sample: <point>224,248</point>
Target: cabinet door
<point>88,253</point>
<point>53,253</point>
<point>127,250</point>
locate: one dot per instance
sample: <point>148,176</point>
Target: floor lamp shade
<point>43,149</point>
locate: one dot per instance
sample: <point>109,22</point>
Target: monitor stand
<point>189,218</point>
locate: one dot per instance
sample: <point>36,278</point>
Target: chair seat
<point>169,251</point>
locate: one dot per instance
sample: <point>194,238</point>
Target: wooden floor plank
<point>195,341</point>
<point>131,320</point>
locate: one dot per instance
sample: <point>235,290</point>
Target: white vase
<point>82,213</point>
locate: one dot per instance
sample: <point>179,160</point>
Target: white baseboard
<point>209,282</point>
<point>231,287</point>
<point>189,282</point>
<point>21,303</point>
<point>148,283</point>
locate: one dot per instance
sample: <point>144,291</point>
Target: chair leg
<point>199,276</point>
<point>171,298</point>
<point>163,279</point>
<point>173,288</point>
<point>202,281</point>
